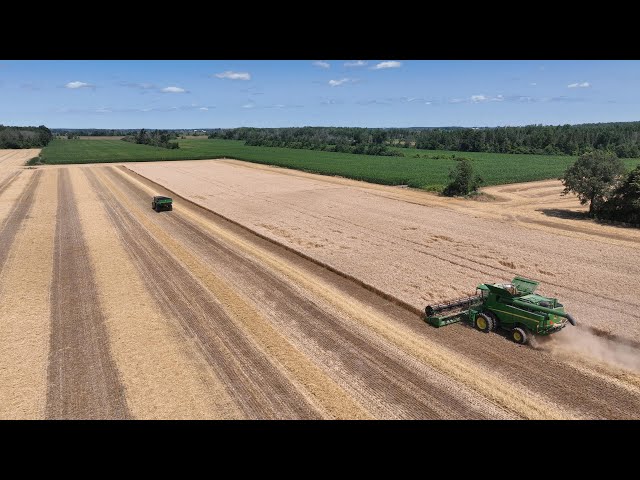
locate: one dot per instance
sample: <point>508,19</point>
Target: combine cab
<point>511,306</point>
<point>160,203</point>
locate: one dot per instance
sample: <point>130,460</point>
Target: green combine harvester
<point>160,203</point>
<point>511,306</point>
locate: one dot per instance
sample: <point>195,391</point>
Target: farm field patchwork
<point>187,315</point>
<point>419,172</point>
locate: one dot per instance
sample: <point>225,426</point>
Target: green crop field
<point>419,168</point>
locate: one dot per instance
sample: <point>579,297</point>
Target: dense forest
<point>24,137</point>
<point>111,132</point>
<point>366,141</point>
<point>156,138</point>
<point>621,138</point>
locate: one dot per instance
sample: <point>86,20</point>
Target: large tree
<point>463,180</point>
<point>624,204</point>
<point>593,178</point>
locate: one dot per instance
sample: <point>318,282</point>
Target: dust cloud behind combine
<point>580,344</point>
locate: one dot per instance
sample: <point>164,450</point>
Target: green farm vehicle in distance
<point>160,203</point>
<point>511,306</point>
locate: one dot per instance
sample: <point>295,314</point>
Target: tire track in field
<point>83,381</point>
<point>24,309</point>
<point>164,377</point>
<point>258,387</point>
<point>384,375</point>
<point>536,371</point>
<point>6,182</point>
<point>17,215</point>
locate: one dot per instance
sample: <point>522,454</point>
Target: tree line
<point>367,141</point>
<point>111,132</point>
<point>24,137</point>
<point>156,138</point>
<point>621,138</point>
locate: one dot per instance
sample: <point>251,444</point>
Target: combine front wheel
<point>519,335</point>
<point>484,323</point>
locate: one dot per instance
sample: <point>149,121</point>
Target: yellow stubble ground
<point>315,384</point>
<point>25,307</point>
<point>513,398</point>
<point>163,379</point>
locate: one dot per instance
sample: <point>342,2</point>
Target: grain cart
<point>160,203</point>
<point>511,306</point>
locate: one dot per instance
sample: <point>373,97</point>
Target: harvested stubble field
<point>110,310</point>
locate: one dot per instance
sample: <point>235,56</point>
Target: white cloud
<point>141,86</point>
<point>336,83</point>
<point>173,90</point>
<point>331,101</point>
<point>479,98</point>
<point>579,85</point>
<point>76,85</point>
<point>357,63</point>
<point>382,65</point>
<point>234,75</point>
<point>249,105</point>
<point>204,109</point>
<point>533,84</point>
<point>321,64</point>
<point>427,103</point>
<point>373,102</point>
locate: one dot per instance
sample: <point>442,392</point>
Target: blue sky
<point>286,93</point>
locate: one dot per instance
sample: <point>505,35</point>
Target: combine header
<point>510,306</point>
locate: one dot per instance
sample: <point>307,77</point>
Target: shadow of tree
<point>573,215</point>
<point>562,213</point>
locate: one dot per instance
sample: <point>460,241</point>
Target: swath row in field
<point>16,217</point>
<point>254,382</point>
<point>83,380</point>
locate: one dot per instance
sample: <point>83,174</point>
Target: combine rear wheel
<point>519,335</point>
<point>485,323</point>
